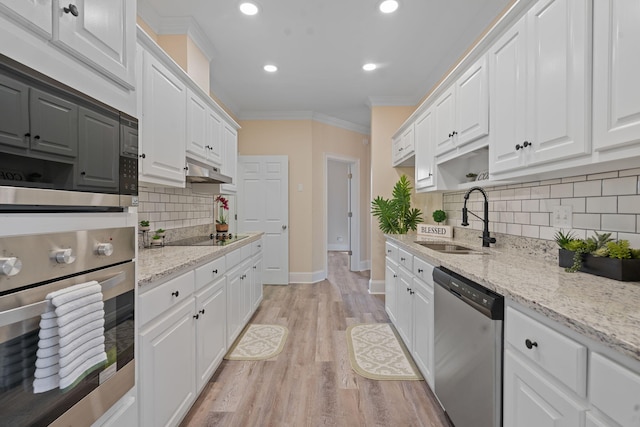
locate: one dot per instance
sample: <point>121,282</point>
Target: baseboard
<point>376,287</point>
<point>314,277</point>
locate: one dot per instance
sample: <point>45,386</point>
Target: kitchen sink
<point>450,248</point>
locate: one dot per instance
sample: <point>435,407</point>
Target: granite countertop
<point>605,310</point>
<point>158,263</point>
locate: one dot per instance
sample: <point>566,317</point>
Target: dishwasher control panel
<point>483,299</point>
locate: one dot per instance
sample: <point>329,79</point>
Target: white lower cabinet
<point>532,400</point>
<point>187,324</point>
<point>546,372</point>
<point>256,274</point>
<point>167,366</point>
<point>409,303</point>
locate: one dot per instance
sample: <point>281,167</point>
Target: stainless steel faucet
<point>486,238</point>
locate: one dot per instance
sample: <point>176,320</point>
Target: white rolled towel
<point>83,370</point>
<point>40,385</point>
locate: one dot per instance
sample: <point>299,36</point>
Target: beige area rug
<point>376,352</point>
<point>258,342</point>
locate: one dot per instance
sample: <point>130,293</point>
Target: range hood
<point>205,174</point>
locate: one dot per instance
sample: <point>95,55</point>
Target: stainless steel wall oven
<point>33,266</point>
<point>61,149</point>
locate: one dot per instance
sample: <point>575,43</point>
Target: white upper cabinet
<point>616,58</point>
<point>196,126</point>
<point>403,148</point>
<point>462,111</point>
<point>539,80</point>
<point>35,15</point>
<point>230,162</point>
<point>213,149</point>
<point>100,33</point>
<point>163,125</point>
<point>424,148</point>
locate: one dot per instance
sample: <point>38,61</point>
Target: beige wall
<point>338,142</point>
<point>291,138</point>
<point>306,142</point>
<point>385,121</point>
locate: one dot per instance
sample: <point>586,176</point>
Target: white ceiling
<point>320,46</point>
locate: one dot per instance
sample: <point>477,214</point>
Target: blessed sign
<point>435,230</point>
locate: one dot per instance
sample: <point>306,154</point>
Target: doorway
<point>342,216</point>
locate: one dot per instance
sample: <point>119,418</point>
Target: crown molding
<point>393,101</point>
<point>304,115</point>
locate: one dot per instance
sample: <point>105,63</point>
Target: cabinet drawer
<point>423,270</point>
<point>256,247</point>
<point>614,390</point>
<point>405,259</point>
<point>245,252</point>
<point>391,251</point>
<point>562,357</point>
<point>165,296</point>
<point>210,272</point>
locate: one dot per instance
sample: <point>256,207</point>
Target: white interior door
<point>263,205</point>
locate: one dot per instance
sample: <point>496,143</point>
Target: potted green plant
<point>156,239</point>
<point>144,225</point>
<point>395,215</point>
<point>599,255</point>
<point>439,216</point>
<point>221,221</point>
<point>161,232</point>
<point>471,176</point>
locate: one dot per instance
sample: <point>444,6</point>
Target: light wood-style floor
<point>311,382</point>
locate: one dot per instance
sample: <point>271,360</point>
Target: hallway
<point>311,382</point>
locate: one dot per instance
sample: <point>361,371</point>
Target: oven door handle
<point>25,312</point>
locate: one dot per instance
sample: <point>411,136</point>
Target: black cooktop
<point>207,240</point>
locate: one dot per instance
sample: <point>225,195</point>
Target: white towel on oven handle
<point>63,303</point>
<point>70,354</point>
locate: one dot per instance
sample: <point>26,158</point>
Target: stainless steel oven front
<point>33,266</point>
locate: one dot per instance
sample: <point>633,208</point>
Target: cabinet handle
<point>215,271</point>
<point>208,147</point>
<point>186,168</point>
<point>83,173</point>
<point>388,251</point>
<point>408,289</point>
<point>395,275</point>
<point>420,270</point>
<point>201,311</point>
<point>73,9</point>
<point>403,259</point>
<point>27,135</point>
<point>143,156</point>
<point>524,145</point>
<point>530,344</point>
<point>254,267</point>
<point>196,316</point>
<point>411,292</point>
<point>36,137</point>
<point>175,294</point>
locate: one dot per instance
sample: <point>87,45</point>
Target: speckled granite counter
<point>157,263</point>
<point>607,311</point>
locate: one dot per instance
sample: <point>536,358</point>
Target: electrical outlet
<point>562,216</point>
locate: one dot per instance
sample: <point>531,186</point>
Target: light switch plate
<point>561,216</point>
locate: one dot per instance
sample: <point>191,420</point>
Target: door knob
<point>284,227</point>
<point>73,9</point>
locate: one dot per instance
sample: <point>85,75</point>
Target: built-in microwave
<point>61,149</point>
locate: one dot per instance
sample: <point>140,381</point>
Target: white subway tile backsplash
<point>586,221</point>
<point>541,192</point>
<point>619,222</point>
<point>602,205</point>
<point>514,205</point>
<point>521,218</point>
<point>514,229</point>
<point>531,231</point>
<point>500,206</point>
<point>523,193</point>
<point>561,190</point>
<point>602,175</point>
<point>578,204</point>
<point>531,205</point>
<point>575,178</point>
<point>620,186</point>
<point>587,189</point>
<point>506,217</point>
<point>548,233</point>
<point>507,194</point>
<point>629,172</point>
<point>540,218</point>
<point>546,205</point>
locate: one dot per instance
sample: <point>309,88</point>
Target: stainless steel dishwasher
<point>468,350</point>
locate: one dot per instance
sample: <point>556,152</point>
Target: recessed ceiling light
<point>270,68</point>
<point>248,8</point>
<point>388,6</point>
<point>369,67</point>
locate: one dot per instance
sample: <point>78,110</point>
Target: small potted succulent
<point>144,225</point>
<point>599,255</point>
<point>439,216</point>
<point>161,232</point>
<point>157,240</point>
<point>471,176</point>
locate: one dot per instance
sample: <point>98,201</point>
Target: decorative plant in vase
<point>144,225</point>
<point>395,215</point>
<point>599,255</point>
<point>221,222</point>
